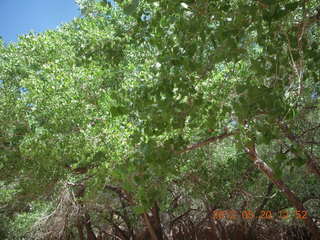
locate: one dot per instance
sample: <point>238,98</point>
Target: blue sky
<point>18,17</point>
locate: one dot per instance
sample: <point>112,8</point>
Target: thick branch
<point>294,200</point>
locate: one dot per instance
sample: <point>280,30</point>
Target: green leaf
<point>281,157</point>
<point>292,6</point>
<point>117,111</point>
<point>269,2</point>
<point>279,13</point>
<point>277,171</point>
<point>298,161</point>
<point>139,210</point>
<point>132,7</point>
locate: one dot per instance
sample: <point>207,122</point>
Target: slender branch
<point>312,142</point>
<point>207,141</point>
<point>181,216</point>
<point>312,162</point>
<point>122,194</point>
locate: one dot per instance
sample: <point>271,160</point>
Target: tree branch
<point>291,196</point>
<point>312,162</point>
<point>207,141</point>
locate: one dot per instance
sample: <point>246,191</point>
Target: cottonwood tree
<point>124,95</point>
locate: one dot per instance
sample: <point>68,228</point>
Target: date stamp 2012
<point>249,214</point>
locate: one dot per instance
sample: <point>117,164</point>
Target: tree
<point>127,99</point>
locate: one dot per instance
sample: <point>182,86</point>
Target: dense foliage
<point>156,113</point>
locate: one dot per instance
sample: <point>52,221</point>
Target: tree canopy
<point>153,109</point>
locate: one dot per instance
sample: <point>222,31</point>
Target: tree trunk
<point>80,229</point>
<point>156,221</point>
<point>84,220</point>
<point>87,223</point>
<point>293,199</point>
<point>149,226</point>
